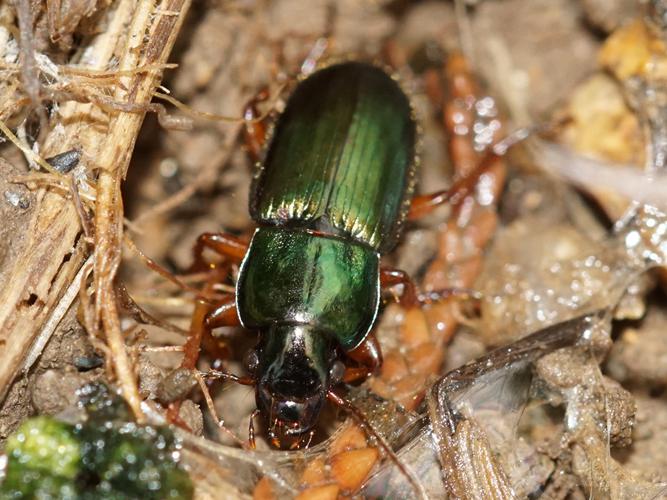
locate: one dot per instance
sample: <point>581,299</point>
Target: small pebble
<point>17,200</point>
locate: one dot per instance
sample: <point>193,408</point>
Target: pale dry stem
<point>113,162</point>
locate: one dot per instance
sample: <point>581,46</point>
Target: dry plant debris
<point>90,181</point>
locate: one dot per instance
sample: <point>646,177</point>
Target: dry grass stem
<point>113,161</point>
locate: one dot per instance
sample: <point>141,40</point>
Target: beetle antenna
<point>214,374</point>
<point>169,276</point>
<point>363,422</point>
<point>211,408</point>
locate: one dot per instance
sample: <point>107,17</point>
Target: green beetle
<point>330,197</point>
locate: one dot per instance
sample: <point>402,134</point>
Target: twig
<point>113,162</point>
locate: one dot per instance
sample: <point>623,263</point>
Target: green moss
<point>45,444</point>
<point>105,457</point>
<point>27,483</point>
<point>43,460</point>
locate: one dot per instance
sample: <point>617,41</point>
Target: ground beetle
<point>331,195</point>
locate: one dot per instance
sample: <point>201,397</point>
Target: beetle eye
<point>336,372</point>
<point>251,361</point>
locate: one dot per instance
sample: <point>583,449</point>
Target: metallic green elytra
<point>330,197</point>
<point>341,158</point>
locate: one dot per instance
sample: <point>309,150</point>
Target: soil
<point>554,255</point>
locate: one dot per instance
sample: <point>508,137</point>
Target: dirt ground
<point>588,420</point>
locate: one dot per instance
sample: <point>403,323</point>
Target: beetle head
<point>293,378</point>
